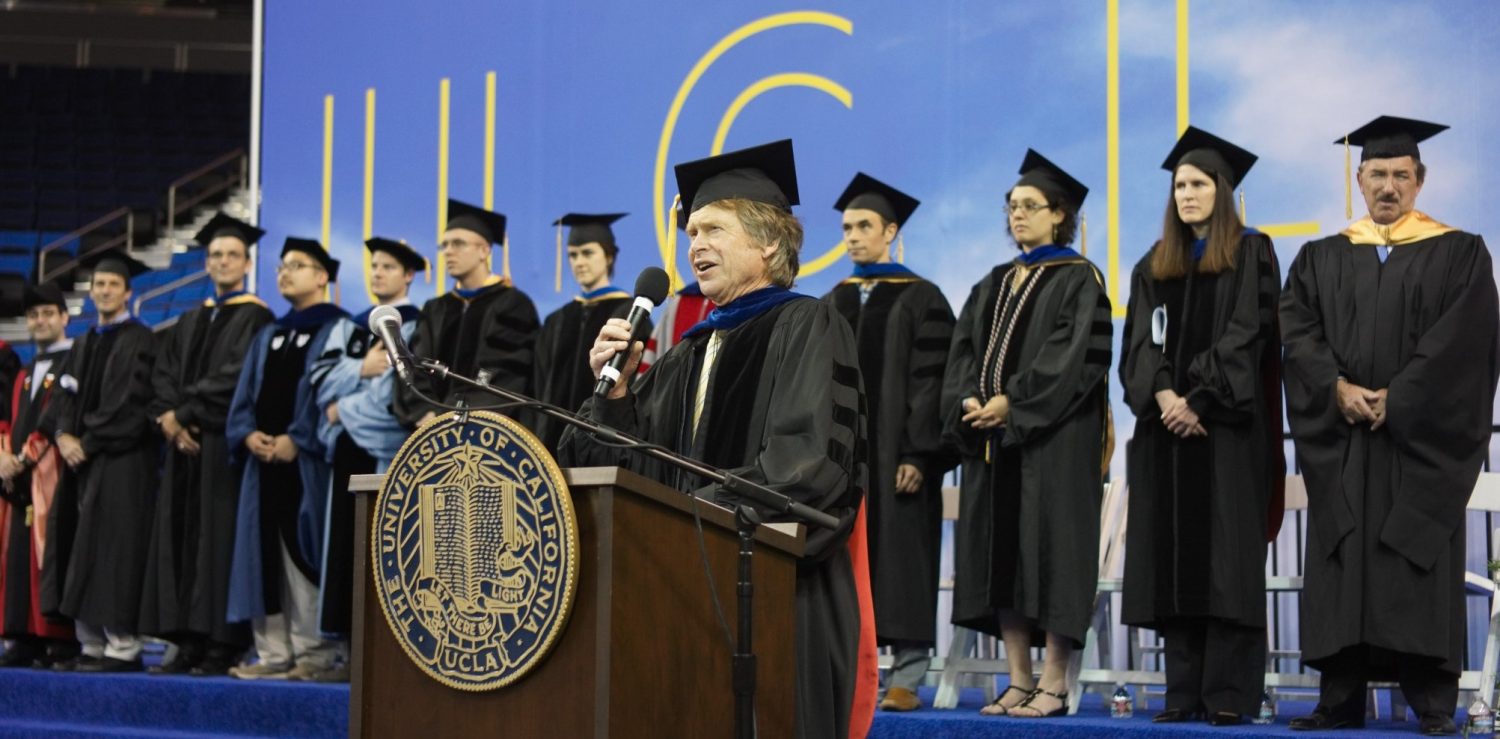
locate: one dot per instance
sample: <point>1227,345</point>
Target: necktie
<point>701,394</point>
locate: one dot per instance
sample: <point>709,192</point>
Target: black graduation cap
<point>116,262</point>
<point>1211,153</point>
<point>407,256</point>
<point>763,174</point>
<point>474,218</point>
<point>312,248</point>
<point>222,225</point>
<point>588,228</point>
<point>1387,137</point>
<point>1039,172</point>
<point>44,294</point>
<point>867,193</point>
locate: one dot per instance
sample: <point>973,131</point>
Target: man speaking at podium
<point>768,388</point>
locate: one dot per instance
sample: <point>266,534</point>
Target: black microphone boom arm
<point>764,497</point>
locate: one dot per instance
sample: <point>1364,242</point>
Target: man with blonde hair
<point>767,387</point>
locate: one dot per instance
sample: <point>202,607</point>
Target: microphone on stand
<point>385,322</point>
<point>650,290</point>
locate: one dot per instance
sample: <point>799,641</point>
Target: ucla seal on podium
<point>475,550</point>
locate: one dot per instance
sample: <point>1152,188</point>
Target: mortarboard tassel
<point>676,279</point>
<point>427,269</point>
<point>1243,218</point>
<point>505,257</point>
<point>1083,232</point>
<point>900,249</point>
<point>1348,191</point>
<point>557,280</point>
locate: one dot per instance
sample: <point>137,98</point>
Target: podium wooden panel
<point>642,655</point>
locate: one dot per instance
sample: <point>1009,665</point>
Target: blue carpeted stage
<point>35,703</point>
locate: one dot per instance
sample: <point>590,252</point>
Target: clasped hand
<point>269,449</point>
<point>1178,416</point>
<point>1361,404</point>
<point>988,415</point>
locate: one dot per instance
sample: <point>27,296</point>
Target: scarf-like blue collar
<point>468,293</point>
<point>603,291</point>
<point>1046,253</point>
<point>748,306</point>
<point>226,297</point>
<point>876,271</point>
<point>313,315</point>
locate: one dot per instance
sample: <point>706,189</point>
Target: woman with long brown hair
<point>1198,368</point>
<point>1025,399</point>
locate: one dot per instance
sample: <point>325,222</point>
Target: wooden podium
<point>643,653</point>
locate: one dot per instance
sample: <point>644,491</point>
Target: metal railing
<point>161,290</point>
<point>128,239</point>
<point>176,208</point>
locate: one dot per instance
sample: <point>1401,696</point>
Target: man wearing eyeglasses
<point>197,368</point>
<point>272,427</point>
<point>483,325</point>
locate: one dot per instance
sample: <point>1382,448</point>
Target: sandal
<point>1060,710</point>
<point>998,708</point>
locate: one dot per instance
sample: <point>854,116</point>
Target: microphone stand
<point>747,519</point>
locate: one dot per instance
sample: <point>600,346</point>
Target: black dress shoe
<point>110,664</point>
<point>1434,724</point>
<point>1224,718</point>
<point>211,667</point>
<point>1174,716</point>
<point>181,665</point>
<point>57,651</point>
<point>1322,719</point>
<point>20,655</point>
<point>73,664</point>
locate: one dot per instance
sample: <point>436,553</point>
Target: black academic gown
<point>192,536</point>
<point>494,332</point>
<point>902,333</point>
<point>1196,544</point>
<point>783,410</point>
<point>562,375</point>
<point>1385,540</point>
<point>1027,537</point>
<point>113,493</point>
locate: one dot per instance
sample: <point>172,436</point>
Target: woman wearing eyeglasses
<point>1025,399</point>
<point>1200,370</point>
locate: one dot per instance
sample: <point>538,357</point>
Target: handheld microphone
<point>385,322</point>
<point>650,290</point>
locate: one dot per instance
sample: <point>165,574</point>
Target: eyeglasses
<point>292,267</point>
<point>1027,208</point>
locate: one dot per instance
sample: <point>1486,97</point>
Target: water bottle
<point>1481,719</point>
<point>1267,714</point>
<point>1121,706</point>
